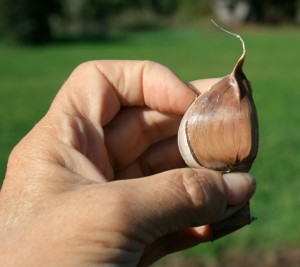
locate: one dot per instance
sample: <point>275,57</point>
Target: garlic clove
<point>219,131</point>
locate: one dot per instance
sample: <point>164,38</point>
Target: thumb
<point>177,199</point>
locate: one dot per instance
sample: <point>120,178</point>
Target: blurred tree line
<point>37,21</point>
<point>256,11</point>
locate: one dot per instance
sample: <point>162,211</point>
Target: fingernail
<point>239,187</point>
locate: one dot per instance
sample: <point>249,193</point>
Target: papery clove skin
<point>219,131</point>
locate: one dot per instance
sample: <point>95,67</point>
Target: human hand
<point>99,180</point>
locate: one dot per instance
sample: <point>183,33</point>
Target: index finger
<point>203,85</point>
<point>98,89</point>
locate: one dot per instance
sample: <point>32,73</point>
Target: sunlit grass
<point>30,78</point>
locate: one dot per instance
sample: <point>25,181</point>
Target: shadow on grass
<point>285,257</point>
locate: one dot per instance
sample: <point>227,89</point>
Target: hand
<point>99,180</point>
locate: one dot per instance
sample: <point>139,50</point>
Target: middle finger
<point>134,130</point>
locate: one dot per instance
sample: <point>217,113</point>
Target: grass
<point>30,78</point>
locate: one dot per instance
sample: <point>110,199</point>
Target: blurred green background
<point>40,44</point>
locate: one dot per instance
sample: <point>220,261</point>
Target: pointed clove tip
<point>231,33</point>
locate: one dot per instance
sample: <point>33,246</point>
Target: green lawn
<point>30,77</point>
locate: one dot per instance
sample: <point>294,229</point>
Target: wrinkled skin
<point>99,180</point>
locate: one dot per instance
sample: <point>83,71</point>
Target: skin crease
<point>99,180</point>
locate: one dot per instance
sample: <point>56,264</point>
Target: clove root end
<point>231,224</point>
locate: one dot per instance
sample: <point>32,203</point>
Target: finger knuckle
<point>154,66</point>
<point>85,66</point>
<point>205,192</point>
